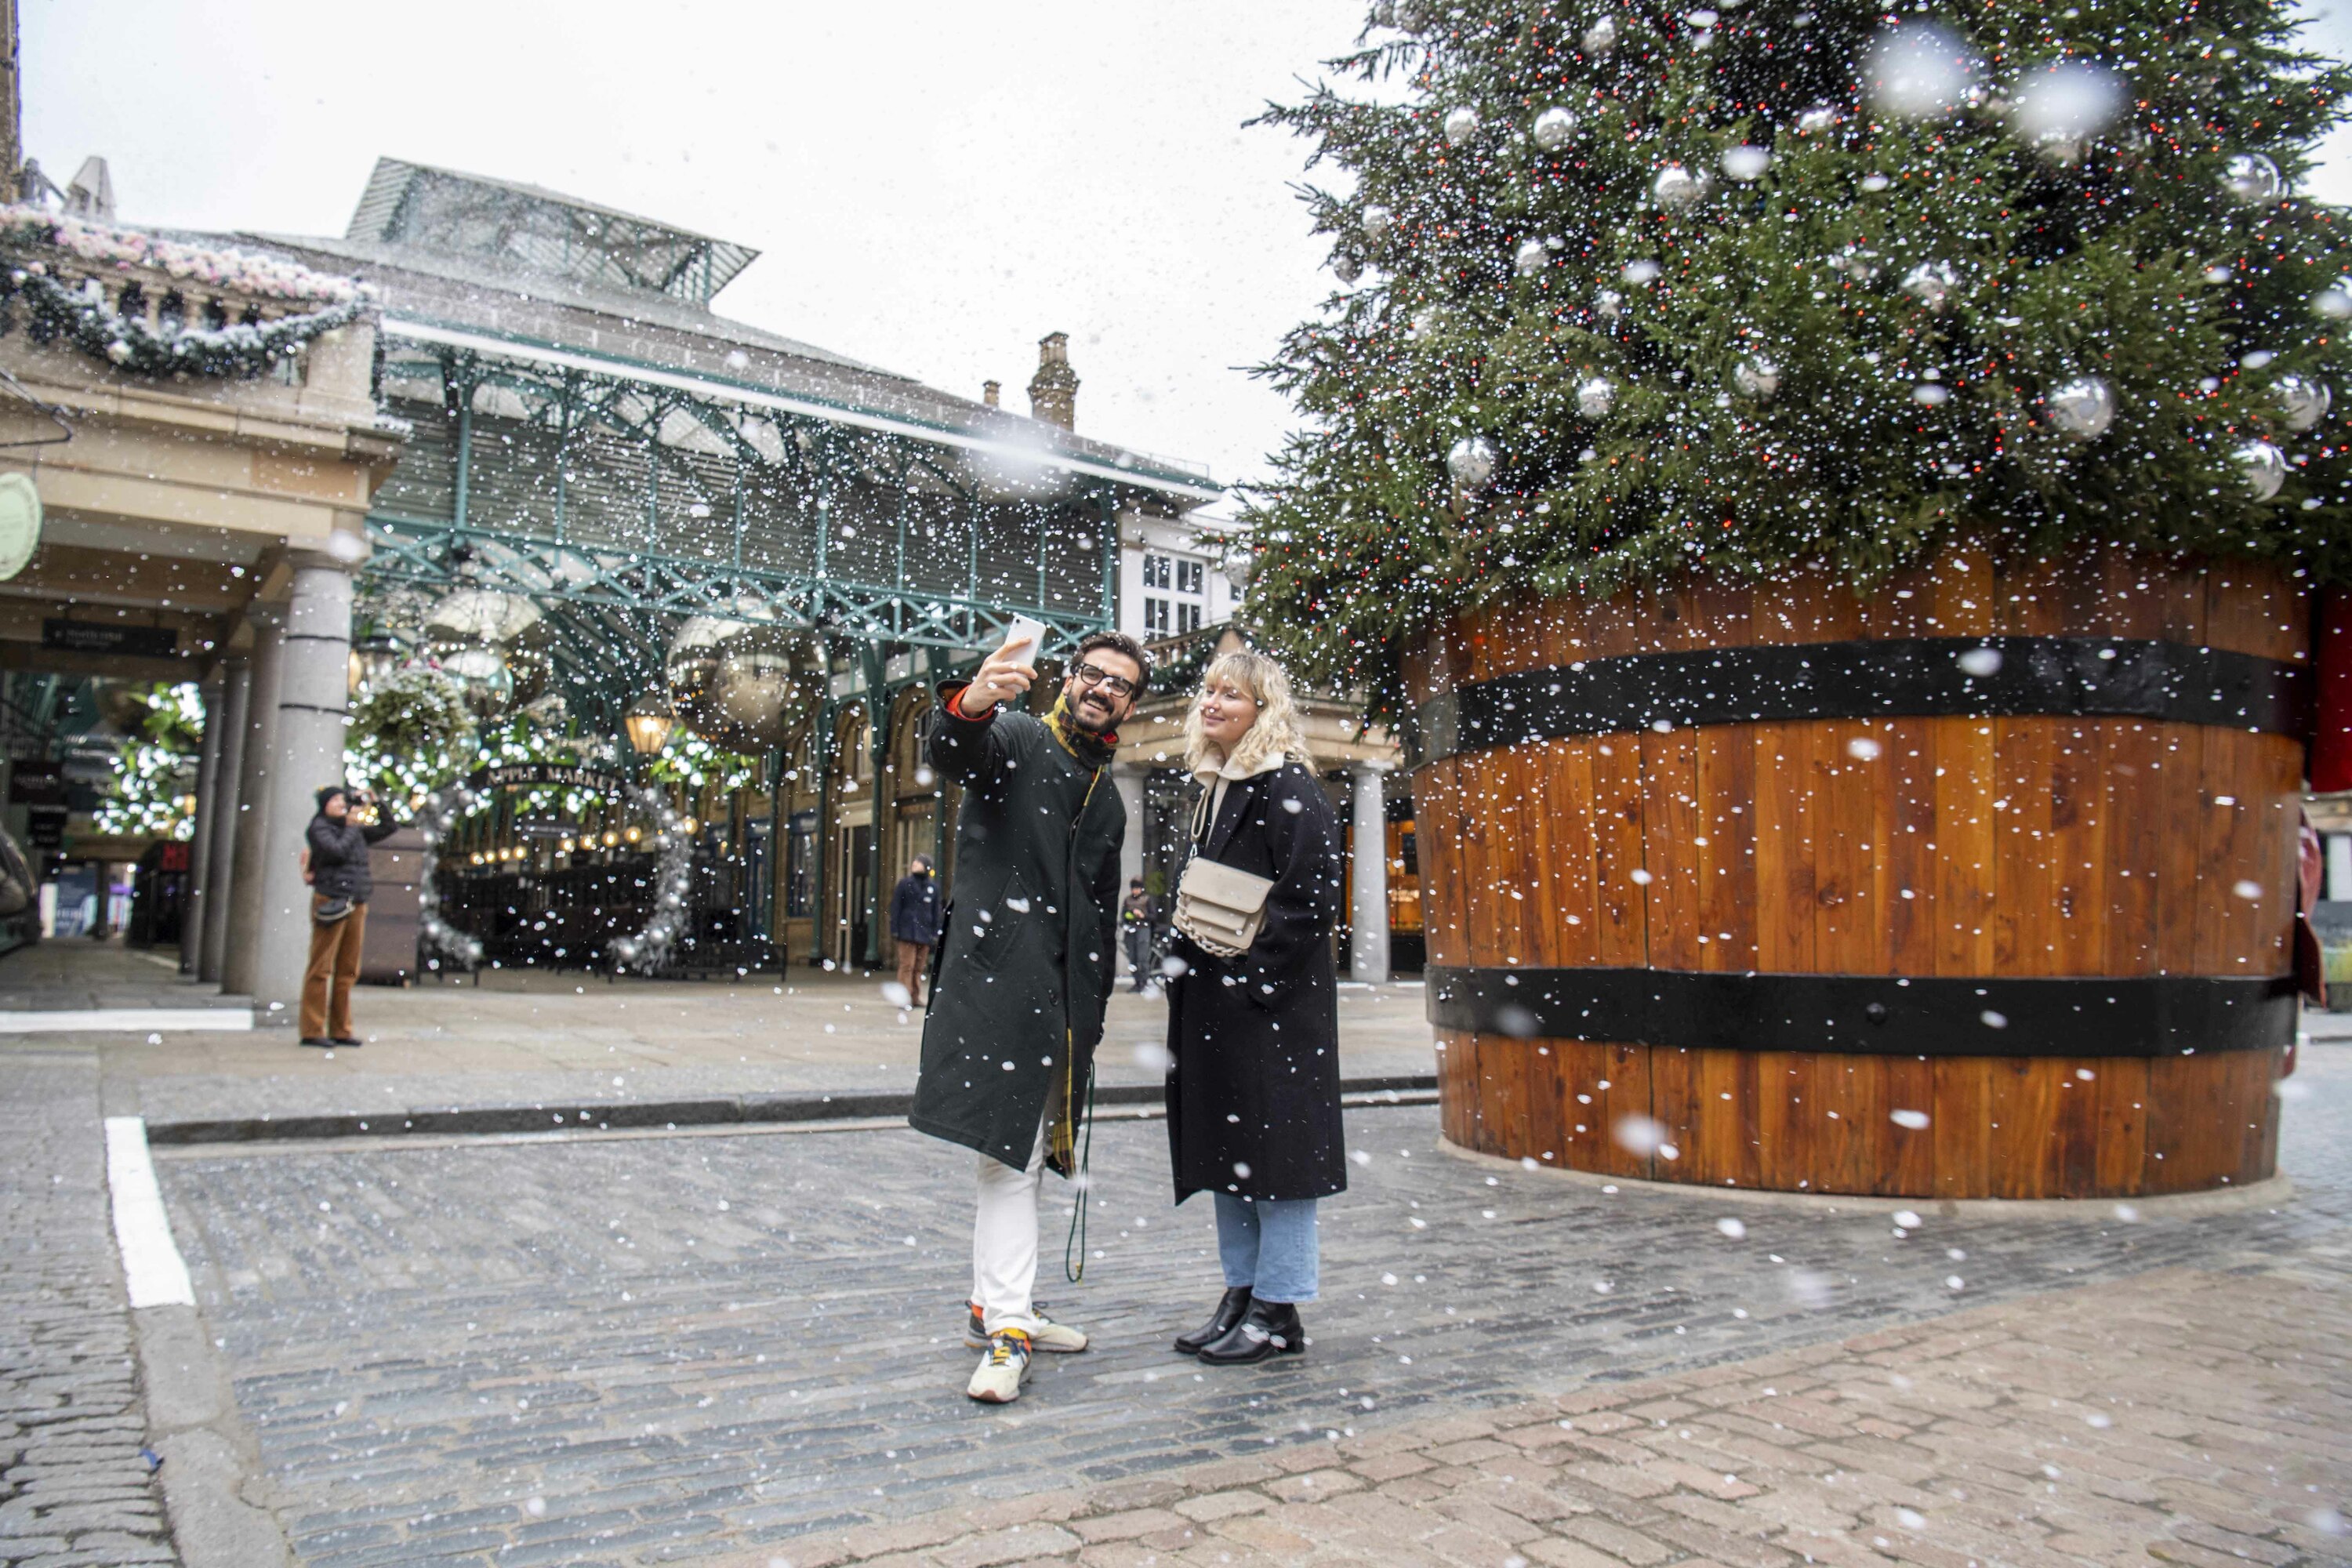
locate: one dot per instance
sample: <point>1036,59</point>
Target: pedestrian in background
<point>1254,1031</point>
<point>1136,919</point>
<point>915,923</point>
<point>1029,960</point>
<point>335,862</point>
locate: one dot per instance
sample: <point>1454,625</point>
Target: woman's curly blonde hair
<point>1278,732</point>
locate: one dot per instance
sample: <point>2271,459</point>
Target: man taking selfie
<point>1030,957</point>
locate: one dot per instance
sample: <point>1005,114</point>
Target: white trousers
<point>1005,1240</point>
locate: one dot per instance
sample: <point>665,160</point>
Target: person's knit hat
<point>328,793</point>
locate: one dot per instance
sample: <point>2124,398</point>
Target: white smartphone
<point>1025,631</point>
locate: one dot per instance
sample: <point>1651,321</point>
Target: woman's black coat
<point>1253,1089</point>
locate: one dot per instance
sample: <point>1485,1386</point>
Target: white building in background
<point>1169,584</point>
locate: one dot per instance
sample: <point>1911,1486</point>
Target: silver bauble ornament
<point>1553,128</point>
<point>1471,463</point>
<point>1529,258</point>
<point>2252,179</point>
<point>1676,189</point>
<point>1384,14</point>
<point>1460,123</point>
<point>1858,263</point>
<point>1348,268</point>
<point>1600,37</point>
<point>2083,408</point>
<point>1376,222</point>
<point>1817,120</point>
<point>1931,283</point>
<point>1608,304</point>
<point>2265,466</point>
<point>1756,376</point>
<point>2303,401</point>
<point>2334,302</point>
<point>1596,396</point>
<point>1745,163</point>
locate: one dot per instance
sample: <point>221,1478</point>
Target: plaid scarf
<point>1092,749</point>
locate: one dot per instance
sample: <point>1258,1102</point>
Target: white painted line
<point>152,1265</point>
<point>140,1020</point>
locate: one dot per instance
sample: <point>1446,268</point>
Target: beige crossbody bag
<point>1221,909</point>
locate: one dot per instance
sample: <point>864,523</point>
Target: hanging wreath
<point>154,794</point>
<point>410,734</point>
<point>437,938</point>
<point>649,949</point>
<point>78,314</point>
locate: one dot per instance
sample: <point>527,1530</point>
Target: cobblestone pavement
<point>73,1488</point>
<point>534,1039</point>
<point>2189,1417</point>
<point>734,1348</point>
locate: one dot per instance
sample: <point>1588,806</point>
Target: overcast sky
<point>936,186</point>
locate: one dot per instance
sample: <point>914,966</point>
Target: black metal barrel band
<point>1876,1014</point>
<point>1892,678</point>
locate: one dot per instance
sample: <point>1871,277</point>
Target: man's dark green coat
<point>1026,959</point>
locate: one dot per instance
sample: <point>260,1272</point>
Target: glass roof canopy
<point>542,233</point>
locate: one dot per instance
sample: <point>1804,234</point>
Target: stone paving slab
<point>535,1040</point>
<point>73,1487</point>
<point>707,1349</point>
<point>2182,1416</point>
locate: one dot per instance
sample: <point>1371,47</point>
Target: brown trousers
<point>327,983</point>
<point>914,962</point>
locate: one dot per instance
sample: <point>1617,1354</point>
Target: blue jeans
<point>1268,1245</point>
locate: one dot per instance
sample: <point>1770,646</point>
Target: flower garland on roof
<point>78,310</point>
<point>237,272</point>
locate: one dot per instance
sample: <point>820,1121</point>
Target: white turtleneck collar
<point>1216,768</point>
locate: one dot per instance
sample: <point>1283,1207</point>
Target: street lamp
<point>374,657</point>
<point>649,722</point>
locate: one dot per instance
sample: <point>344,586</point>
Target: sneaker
<point>1059,1338</point>
<point>998,1379</point>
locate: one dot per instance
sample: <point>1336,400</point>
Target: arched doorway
<point>910,787</point>
<point>849,870</point>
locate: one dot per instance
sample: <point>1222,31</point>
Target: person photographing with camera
<point>1028,961</point>
<point>335,864</point>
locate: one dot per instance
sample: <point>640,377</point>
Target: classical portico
<point>200,518</point>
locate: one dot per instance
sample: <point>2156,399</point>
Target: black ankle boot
<point>1231,1306</point>
<point>1269,1328</point>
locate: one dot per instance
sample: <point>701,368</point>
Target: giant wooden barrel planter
<point>1980,886</point>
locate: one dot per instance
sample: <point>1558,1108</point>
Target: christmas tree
<point>1631,292</point>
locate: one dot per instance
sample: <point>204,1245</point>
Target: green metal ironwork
<point>568,487</point>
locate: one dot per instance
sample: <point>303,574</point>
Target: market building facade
<point>697,581</point>
<point>614,504</point>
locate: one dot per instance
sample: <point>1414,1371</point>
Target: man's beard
<point>1084,716</point>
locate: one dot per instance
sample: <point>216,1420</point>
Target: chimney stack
<point>989,392</point>
<point>1054,390</point>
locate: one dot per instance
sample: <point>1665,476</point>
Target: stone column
<point>239,956</point>
<point>218,877</point>
<point>1129,777</point>
<point>313,707</point>
<point>200,850</point>
<point>1368,919</point>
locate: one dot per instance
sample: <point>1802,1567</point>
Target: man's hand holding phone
<point>1006,674</point>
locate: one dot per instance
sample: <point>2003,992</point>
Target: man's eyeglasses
<point>1117,685</point>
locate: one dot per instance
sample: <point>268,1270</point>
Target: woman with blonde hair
<point>1253,1015</point>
